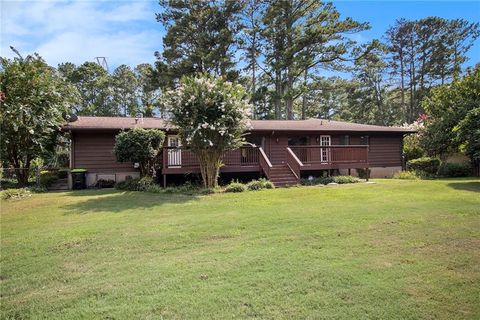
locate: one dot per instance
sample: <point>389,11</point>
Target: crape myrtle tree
<point>211,115</point>
<point>34,99</point>
<point>140,146</point>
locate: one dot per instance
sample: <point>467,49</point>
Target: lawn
<point>396,249</point>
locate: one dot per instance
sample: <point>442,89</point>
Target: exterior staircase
<point>282,176</point>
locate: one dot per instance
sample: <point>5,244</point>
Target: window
<point>297,141</point>
<point>364,140</point>
<point>345,140</point>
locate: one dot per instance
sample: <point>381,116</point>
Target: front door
<point>325,152</point>
<point>174,154</point>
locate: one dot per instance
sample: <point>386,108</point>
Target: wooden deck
<point>178,160</point>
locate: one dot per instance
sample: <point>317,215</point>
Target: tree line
<point>285,52</point>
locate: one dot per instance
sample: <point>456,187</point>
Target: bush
<point>406,175</point>
<point>425,164</point>
<point>186,188</point>
<point>143,184</point>
<point>38,189</point>
<point>236,187</point>
<point>16,194</point>
<point>455,170</point>
<point>259,184</point>
<point>267,184</point>
<point>345,179</point>
<point>139,146</point>
<point>47,178</point>
<point>105,183</point>
<point>254,185</point>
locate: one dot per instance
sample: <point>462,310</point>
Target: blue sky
<point>127,32</point>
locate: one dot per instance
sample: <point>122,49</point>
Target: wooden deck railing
<point>294,163</point>
<point>178,157</point>
<point>331,154</point>
<point>264,162</point>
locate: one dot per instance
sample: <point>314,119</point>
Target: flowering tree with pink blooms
<point>211,115</point>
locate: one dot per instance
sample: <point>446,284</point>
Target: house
<point>281,150</point>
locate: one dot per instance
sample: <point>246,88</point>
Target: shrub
<point>16,194</point>
<point>140,146</point>
<point>47,178</point>
<point>455,170</point>
<point>145,183</point>
<point>236,187</point>
<point>186,188</point>
<point>105,183</point>
<point>406,175</point>
<point>38,189</point>
<point>128,185</point>
<point>345,179</point>
<point>267,184</point>
<point>259,184</point>
<point>313,181</point>
<point>426,164</point>
<point>254,185</point>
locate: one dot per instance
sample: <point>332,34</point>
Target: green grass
<point>393,250</point>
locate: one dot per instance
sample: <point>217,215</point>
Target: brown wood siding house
<point>281,150</point>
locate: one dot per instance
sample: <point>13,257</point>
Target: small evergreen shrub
<point>428,165</point>
<point>455,170</point>
<point>16,194</point>
<point>259,184</point>
<point>267,184</point>
<point>235,187</point>
<point>345,179</point>
<point>254,185</point>
<point>145,183</point>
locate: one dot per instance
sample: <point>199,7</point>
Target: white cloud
<point>79,31</point>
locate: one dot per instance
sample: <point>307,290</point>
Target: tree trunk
<point>402,83</point>
<point>210,162</point>
<point>304,96</point>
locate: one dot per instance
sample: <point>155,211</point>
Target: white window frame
<point>325,140</point>
<point>174,156</point>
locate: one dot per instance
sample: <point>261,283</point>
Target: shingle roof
<point>320,125</point>
<point>112,123</point>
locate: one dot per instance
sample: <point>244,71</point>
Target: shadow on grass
<point>118,201</point>
<point>466,186</point>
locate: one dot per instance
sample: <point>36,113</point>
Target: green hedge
<point>425,164</point>
<point>236,187</point>
<point>326,180</point>
<point>260,184</point>
<point>455,170</point>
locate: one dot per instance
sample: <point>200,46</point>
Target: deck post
<point>349,172</point>
<point>164,180</point>
<point>367,173</point>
